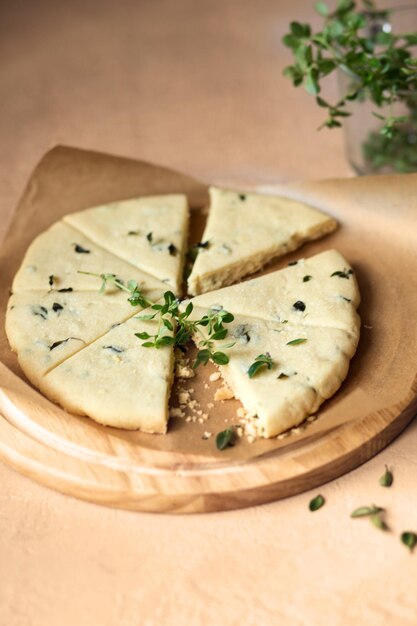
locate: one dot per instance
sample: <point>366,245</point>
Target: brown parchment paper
<point>377,234</point>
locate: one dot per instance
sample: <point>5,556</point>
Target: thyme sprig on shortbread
<point>174,327</point>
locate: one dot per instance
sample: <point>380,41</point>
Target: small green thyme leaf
<point>296,342</point>
<point>224,439</point>
<point>378,522</point>
<point>261,361</point>
<point>409,539</point>
<point>387,478</point>
<point>316,503</point>
<point>203,357</point>
<point>366,511</point>
<point>220,358</point>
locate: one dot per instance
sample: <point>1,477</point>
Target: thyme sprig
<point>380,64</point>
<point>175,328</point>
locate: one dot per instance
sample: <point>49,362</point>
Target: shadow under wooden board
<point>182,472</point>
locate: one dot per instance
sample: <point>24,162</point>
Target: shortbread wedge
<point>149,233</point>
<point>319,291</point>
<point>308,366</point>
<point>116,381</point>
<point>56,257</point>
<point>245,231</point>
<point>45,328</point>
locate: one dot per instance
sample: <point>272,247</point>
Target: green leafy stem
<point>380,64</point>
<point>175,328</point>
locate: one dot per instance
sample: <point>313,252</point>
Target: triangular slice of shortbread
<point>56,256</point>
<point>47,328</point>
<point>319,291</point>
<point>245,231</point>
<point>150,233</point>
<point>116,381</point>
<point>309,365</point>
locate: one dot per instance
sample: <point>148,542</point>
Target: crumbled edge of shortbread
<point>224,393</point>
<point>249,426</point>
<point>189,409</point>
<point>182,366</point>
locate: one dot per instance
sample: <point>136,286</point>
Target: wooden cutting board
<point>182,471</point>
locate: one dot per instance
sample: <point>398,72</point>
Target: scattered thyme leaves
<point>378,522</point>
<point>316,503</point>
<point>225,438</point>
<point>296,342</point>
<point>387,478</point>
<point>366,511</point>
<point>261,361</point>
<point>409,539</point>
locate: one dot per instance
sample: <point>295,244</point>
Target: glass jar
<point>369,151</point>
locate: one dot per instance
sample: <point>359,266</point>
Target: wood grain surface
<point>180,472</point>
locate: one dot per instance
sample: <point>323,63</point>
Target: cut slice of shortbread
<point>56,256</point>
<point>245,231</point>
<point>44,329</point>
<point>318,291</point>
<point>116,381</point>
<point>309,365</point>
<point>149,232</point>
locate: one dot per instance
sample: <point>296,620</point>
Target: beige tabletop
<point>195,85</point>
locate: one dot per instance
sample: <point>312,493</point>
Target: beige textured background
<point>194,85</point>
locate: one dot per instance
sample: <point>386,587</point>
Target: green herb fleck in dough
<point>299,306</point>
<point>80,250</point>
<point>116,349</point>
<point>41,311</point>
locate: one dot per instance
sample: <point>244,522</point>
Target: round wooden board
<point>198,488</point>
<point>181,472</point>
